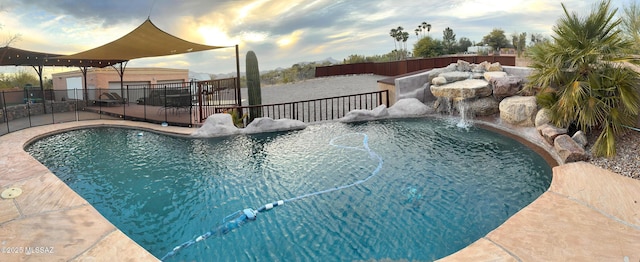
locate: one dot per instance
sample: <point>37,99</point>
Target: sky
<point>280,32</point>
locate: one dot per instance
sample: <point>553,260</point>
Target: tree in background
<point>582,77</point>
<point>519,42</point>
<point>463,44</point>
<point>20,79</point>
<point>423,27</point>
<point>496,39</point>
<point>428,47</point>
<point>449,41</point>
<point>631,24</point>
<point>400,37</point>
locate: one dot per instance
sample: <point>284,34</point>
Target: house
<point>100,80</point>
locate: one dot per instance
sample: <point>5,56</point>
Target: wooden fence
<point>407,66</point>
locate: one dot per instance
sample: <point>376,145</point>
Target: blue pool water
<point>440,188</point>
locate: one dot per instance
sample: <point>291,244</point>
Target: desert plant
<point>238,120</point>
<point>583,79</point>
<point>253,86</point>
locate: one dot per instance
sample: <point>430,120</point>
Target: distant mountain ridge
<point>199,75</point>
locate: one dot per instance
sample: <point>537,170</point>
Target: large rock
<point>580,138</point>
<point>550,132</point>
<point>519,110</point>
<point>505,86</point>
<point>470,88</point>
<point>491,75</point>
<point>568,150</point>
<point>438,81</point>
<point>463,66</point>
<point>484,106</point>
<point>543,117</point>
<point>455,76</point>
<point>494,67</point>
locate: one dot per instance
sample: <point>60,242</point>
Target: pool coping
<point>587,213</point>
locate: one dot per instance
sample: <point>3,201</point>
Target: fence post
<point>4,112</point>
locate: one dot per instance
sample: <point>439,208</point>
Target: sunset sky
<point>280,32</point>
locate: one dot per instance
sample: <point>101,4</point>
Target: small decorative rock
<point>568,150</point>
<point>543,117</point>
<point>550,132</point>
<point>519,110</point>
<point>580,138</point>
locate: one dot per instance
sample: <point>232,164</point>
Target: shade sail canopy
<point>20,57</point>
<point>145,41</point>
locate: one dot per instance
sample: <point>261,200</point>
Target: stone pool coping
<point>588,213</point>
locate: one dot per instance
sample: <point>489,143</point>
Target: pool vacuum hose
<point>241,217</point>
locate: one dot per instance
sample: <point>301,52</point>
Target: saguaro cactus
<point>253,86</point>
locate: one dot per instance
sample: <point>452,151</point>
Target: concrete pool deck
<point>587,214</point>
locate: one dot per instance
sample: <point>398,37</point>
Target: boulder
<point>543,117</point>
<point>477,75</point>
<point>568,150</point>
<point>470,88</point>
<point>491,75</point>
<point>519,110</point>
<point>359,115</point>
<point>494,67</point>
<point>455,76</point>
<point>463,66</point>
<point>580,138</point>
<point>484,106</point>
<point>549,132</point>
<point>505,86</point>
<point>438,81</point>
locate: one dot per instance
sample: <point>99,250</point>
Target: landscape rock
<point>519,110</point>
<point>267,124</point>
<point>580,138</point>
<point>470,88</point>
<point>455,76</point>
<point>543,117</point>
<point>550,132</point>
<point>505,86</point>
<point>463,66</point>
<point>409,107</point>
<point>494,67</point>
<point>568,150</point>
<point>365,115</point>
<point>484,106</point>
<point>438,81</point>
<point>217,125</point>
<point>491,75</point>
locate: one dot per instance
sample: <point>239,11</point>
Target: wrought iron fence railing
<point>314,110</point>
<point>184,104</point>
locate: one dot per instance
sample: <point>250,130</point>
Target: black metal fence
<point>179,104</point>
<point>322,109</point>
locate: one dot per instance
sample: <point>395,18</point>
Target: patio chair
<point>119,98</point>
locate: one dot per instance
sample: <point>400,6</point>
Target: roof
<point>147,40</point>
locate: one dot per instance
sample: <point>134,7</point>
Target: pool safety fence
<point>329,108</point>
<point>180,104</point>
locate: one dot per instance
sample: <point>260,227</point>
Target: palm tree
<point>583,79</point>
<point>405,37</point>
<point>394,34</point>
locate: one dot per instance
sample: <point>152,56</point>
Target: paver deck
<point>588,214</point>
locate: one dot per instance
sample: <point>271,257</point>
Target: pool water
<point>440,188</point>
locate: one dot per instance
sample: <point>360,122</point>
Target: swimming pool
<point>440,188</point>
